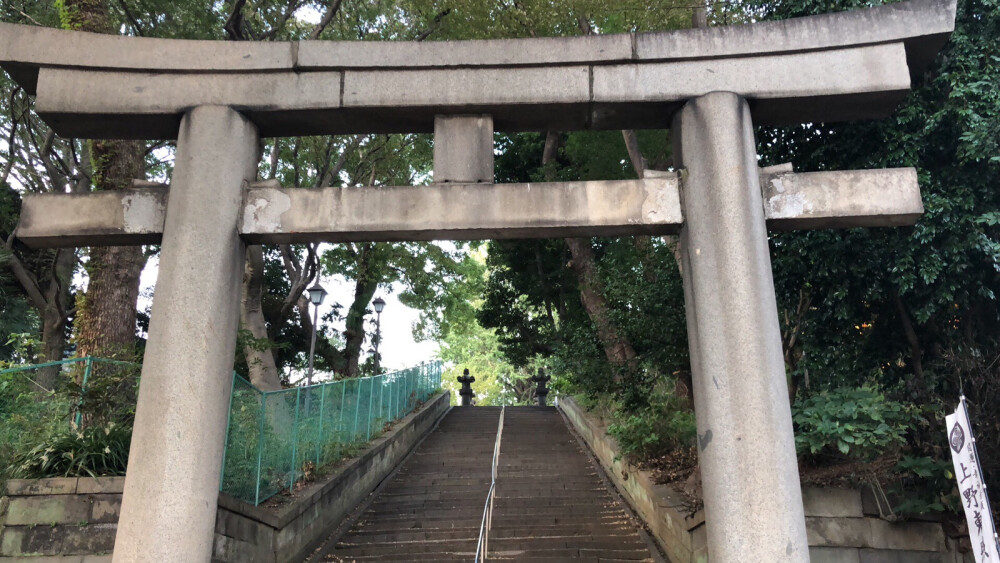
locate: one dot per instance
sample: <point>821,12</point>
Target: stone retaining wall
<point>74,520</point>
<point>843,524</point>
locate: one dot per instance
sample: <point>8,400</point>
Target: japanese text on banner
<point>971,486</point>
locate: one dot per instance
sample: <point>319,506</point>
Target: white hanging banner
<point>971,486</point>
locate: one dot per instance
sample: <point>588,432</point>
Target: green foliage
<point>27,418</point>
<point>858,424</point>
<point>94,451</point>
<point>653,431</point>
<point>926,485</point>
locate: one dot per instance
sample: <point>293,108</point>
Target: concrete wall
<point>74,520</point>
<point>842,524</point>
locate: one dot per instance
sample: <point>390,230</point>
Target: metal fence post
<point>343,395</point>
<point>229,420</point>
<point>381,395</point>
<point>295,438</point>
<point>371,397</point>
<point>357,408</point>
<point>319,433</point>
<point>83,390</point>
<point>260,445</point>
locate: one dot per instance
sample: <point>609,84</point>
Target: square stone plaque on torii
<point>709,86</point>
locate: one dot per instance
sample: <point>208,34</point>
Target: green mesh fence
<point>272,437</point>
<point>103,386</point>
<point>275,437</point>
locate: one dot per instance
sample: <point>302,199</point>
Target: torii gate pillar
<point>172,484</point>
<point>746,446</point>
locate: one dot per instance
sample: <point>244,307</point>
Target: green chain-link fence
<point>275,437</point>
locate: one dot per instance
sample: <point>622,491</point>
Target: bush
<point>27,417</point>
<point>94,451</point>
<point>655,430</point>
<point>851,424</point>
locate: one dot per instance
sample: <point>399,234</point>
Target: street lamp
<point>316,296</point>
<point>379,304</point>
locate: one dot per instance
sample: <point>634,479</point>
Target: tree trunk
<point>616,347</point>
<point>260,360</point>
<point>53,315</point>
<point>106,315</point>
<point>917,385</point>
<point>354,330</point>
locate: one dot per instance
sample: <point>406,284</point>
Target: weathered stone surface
<point>162,98</point>
<point>831,502</point>
<point>916,536</point>
<point>890,556</point>
<point>463,149</point>
<point>467,87</point>
<point>846,532</point>
<point>47,509</point>
<point>923,24</point>
<point>105,508</point>
<point>77,539</point>
<point>741,396</point>
<point>461,211</point>
<point>51,486</point>
<point>879,72</point>
<point>833,555</point>
<point>842,199</point>
<point>108,485</point>
<point>172,482</point>
<point>31,47</point>
<point>100,218</point>
<point>323,55</point>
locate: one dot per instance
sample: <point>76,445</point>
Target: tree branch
<point>24,277</point>
<point>131,18</point>
<point>331,11</point>
<point>435,25</point>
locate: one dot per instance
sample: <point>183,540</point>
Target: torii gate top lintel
<point>847,65</point>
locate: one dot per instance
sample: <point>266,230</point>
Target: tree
<point>913,311</point>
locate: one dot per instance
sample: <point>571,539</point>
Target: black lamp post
<point>316,296</point>
<point>379,304</point>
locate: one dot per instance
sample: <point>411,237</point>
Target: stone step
<point>624,529</point>
<point>551,503</point>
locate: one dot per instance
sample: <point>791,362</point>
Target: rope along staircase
<point>549,501</point>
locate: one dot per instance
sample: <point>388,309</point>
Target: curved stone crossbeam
<point>847,65</point>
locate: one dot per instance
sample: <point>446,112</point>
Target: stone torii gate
<point>708,85</point>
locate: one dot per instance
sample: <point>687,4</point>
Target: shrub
<point>851,424</point>
<point>94,451</point>
<point>654,430</point>
<point>27,417</point>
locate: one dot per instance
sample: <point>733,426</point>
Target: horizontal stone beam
<point>922,24</point>
<point>461,211</point>
<point>271,214</point>
<point>848,65</point>
<point>853,83</point>
<point>841,199</point>
<point>111,218</point>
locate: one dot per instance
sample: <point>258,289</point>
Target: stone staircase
<point>551,502</point>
